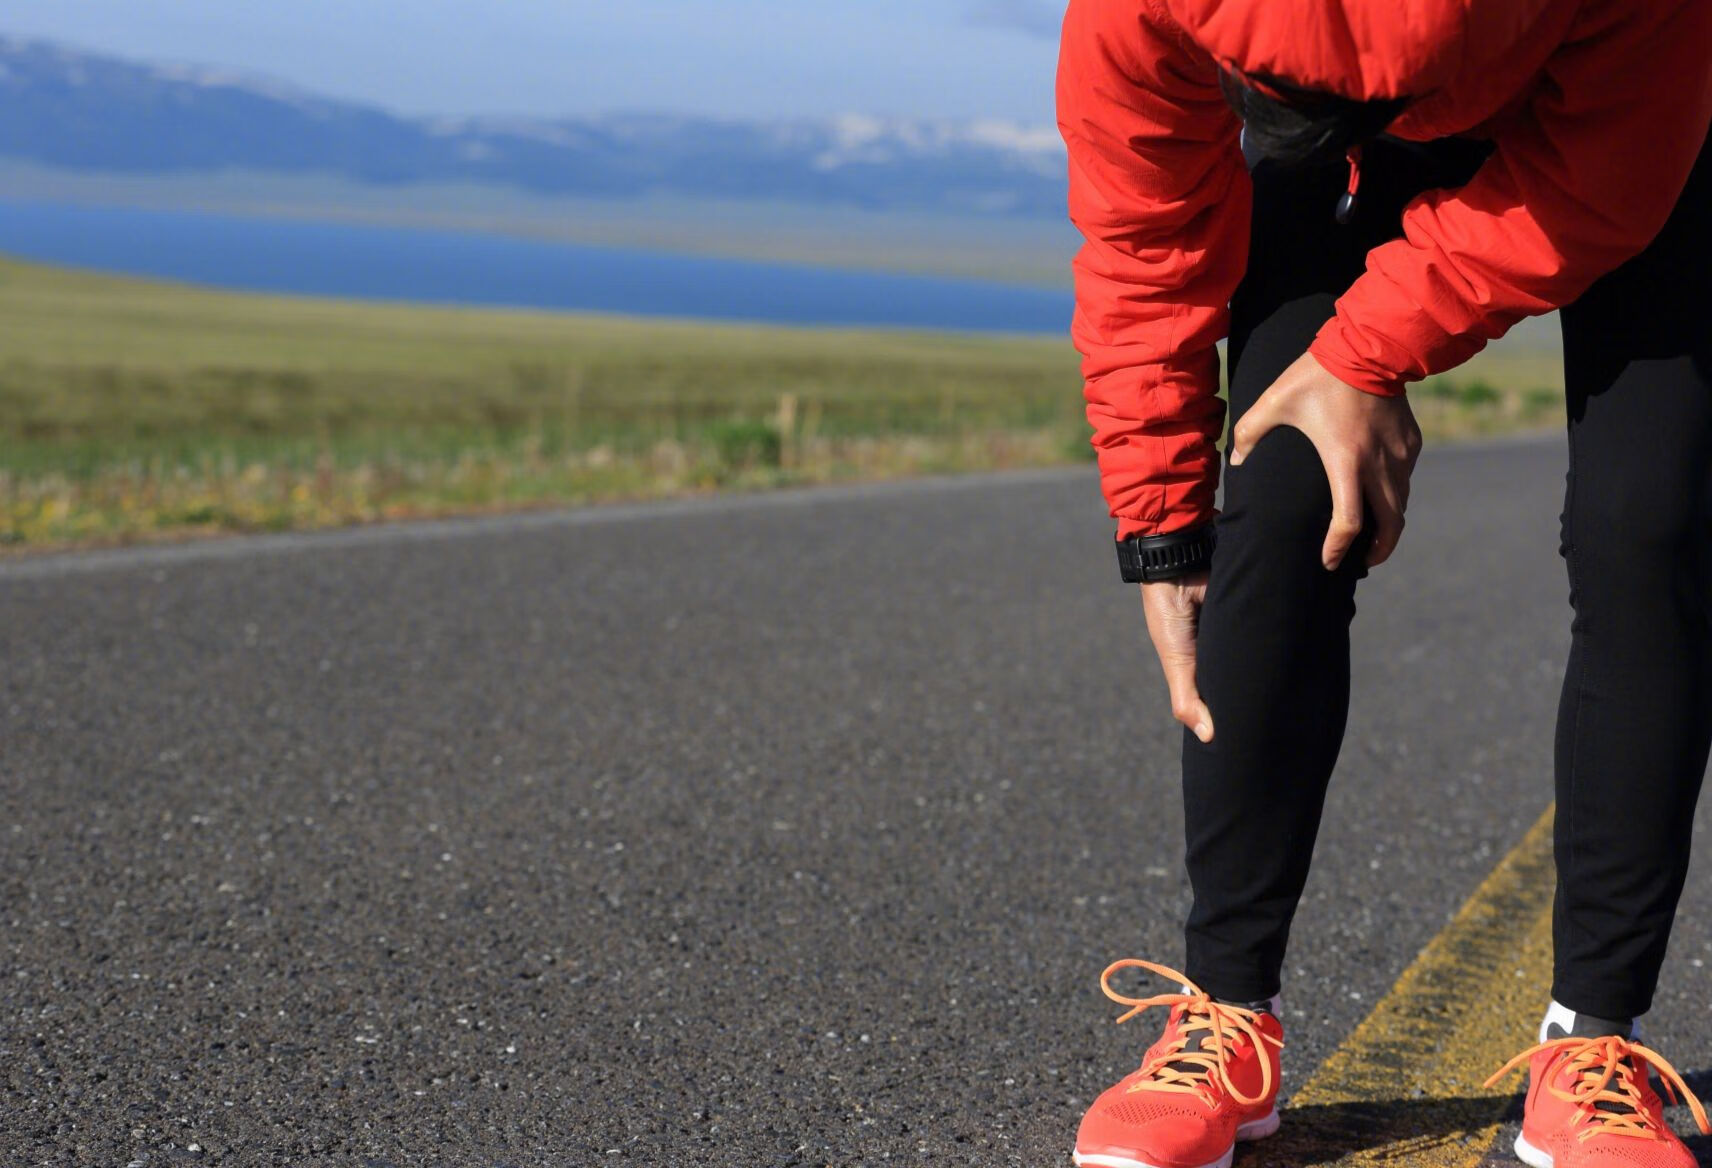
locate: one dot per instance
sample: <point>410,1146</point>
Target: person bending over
<point>1359,194</point>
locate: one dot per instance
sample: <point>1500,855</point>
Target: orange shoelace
<point>1604,1074</point>
<point>1175,1067</point>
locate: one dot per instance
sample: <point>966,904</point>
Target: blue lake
<point>445,267</point>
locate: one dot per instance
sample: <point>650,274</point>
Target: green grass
<point>130,408</point>
<point>134,410</point>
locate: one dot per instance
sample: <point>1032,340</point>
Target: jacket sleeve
<point>1584,176</point>
<point>1160,193</point>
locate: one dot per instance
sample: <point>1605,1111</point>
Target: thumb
<point>1186,704</point>
<point>1255,425</point>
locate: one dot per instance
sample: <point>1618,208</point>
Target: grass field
<point>132,410</point>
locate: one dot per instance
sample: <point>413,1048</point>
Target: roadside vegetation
<point>132,410</point>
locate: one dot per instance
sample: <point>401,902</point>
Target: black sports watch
<point>1144,559</point>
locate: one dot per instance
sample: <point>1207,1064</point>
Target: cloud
<point>1036,18</point>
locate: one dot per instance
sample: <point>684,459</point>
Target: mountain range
<point>85,112</point>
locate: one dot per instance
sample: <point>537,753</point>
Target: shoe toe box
<point>1148,1128</point>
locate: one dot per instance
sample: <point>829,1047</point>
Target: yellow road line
<point>1406,1084</point>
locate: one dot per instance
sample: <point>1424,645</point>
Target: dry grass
<point>133,410</point>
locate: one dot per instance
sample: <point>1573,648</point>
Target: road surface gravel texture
<point>790,830</point>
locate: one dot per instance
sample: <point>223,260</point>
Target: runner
<point>1359,194</point>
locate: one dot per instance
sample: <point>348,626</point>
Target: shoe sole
<point>1531,1156</point>
<point>1254,1129</point>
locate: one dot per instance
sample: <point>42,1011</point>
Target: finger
<point>1346,512</point>
<point>1260,419</point>
<point>1388,520</point>
<point>1173,634</point>
<point>1404,477</point>
<point>1186,704</point>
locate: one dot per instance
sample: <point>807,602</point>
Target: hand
<point>1173,609</point>
<point>1368,444</point>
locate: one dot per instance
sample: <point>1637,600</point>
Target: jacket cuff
<point>1168,526</point>
<point>1335,359</point>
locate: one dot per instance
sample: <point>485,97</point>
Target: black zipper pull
<point>1346,201</point>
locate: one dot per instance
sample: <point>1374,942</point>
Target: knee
<point>1280,496</point>
<point>1659,522</point>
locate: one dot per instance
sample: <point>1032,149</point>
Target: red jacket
<point>1598,109</point>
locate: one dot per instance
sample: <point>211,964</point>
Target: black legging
<point>1274,638</point>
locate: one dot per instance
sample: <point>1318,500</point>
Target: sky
<point>728,58</point>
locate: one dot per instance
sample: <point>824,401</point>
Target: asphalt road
<point>784,831</point>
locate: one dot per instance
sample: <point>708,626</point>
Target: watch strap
<point>1145,559</point>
